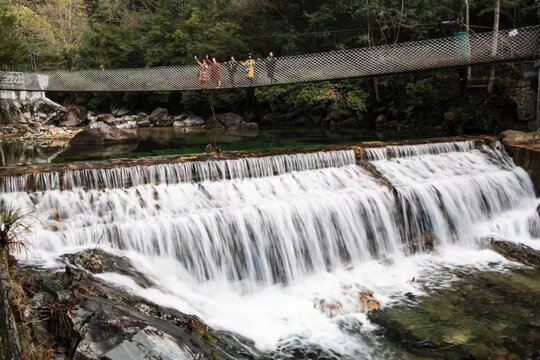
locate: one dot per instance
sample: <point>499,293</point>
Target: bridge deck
<point>515,45</point>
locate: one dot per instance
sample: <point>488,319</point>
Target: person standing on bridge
<point>250,69</point>
<point>203,73</point>
<point>215,74</point>
<point>270,63</point>
<point>232,66</point>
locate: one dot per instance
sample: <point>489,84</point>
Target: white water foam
<point>254,254</point>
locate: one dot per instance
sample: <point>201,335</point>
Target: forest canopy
<point>79,34</point>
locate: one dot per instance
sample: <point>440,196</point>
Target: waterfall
<point>260,224</point>
<point>172,173</point>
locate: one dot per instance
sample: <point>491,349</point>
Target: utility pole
<point>494,44</point>
<point>469,70</point>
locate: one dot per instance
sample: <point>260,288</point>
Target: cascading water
<point>271,235</point>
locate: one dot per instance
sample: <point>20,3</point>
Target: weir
<point>278,218</point>
<point>281,229</point>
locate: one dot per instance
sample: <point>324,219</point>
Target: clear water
<point>252,246</point>
<point>172,141</point>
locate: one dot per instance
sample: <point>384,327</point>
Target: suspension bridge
<point>458,51</point>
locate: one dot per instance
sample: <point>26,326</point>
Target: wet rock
<point>98,261</point>
<point>352,299</point>
<point>160,117</point>
<point>516,252</point>
<point>330,308</point>
<point>478,316</point>
<point>367,303</point>
<point>103,137</point>
<point>423,242</point>
<point>106,322</point>
<point>76,116</point>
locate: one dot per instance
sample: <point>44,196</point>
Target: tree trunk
<point>495,43</point>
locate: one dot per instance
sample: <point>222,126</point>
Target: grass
<point>14,227</point>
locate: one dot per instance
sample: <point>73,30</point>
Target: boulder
<point>188,120</point>
<point>120,112</point>
<point>45,105</point>
<point>76,116</point>
<point>104,136</point>
<point>516,252</point>
<point>9,113</point>
<point>106,118</point>
<point>142,120</point>
<point>98,125</point>
<point>514,137</point>
<point>160,117</point>
<point>130,124</point>
<point>227,120</point>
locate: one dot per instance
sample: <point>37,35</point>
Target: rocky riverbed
<point>41,119</point>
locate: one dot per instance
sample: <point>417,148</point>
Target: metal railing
<point>483,48</point>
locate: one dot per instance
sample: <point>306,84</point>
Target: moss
<point>208,338</point>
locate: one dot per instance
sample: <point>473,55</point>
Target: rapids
<point>250,244</point>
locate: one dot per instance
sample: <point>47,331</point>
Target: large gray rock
<point>188,120</point>
<point>9,113</point>
<point>516,252</point>
<point>106,118</point>
<point>98,125</point>
<point>225,121</point>
<point>120,112</point>
<point>76,116</point>
<point>160,117</point>
<point>45,105</point>
<point>142,120</point>
<point>104,137</point>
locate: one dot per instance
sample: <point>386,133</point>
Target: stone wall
<point>524,94</point>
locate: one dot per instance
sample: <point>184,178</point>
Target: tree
<point>494,45</point>
<point>69,21</point>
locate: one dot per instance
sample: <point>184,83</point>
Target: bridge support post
<point>535,124</point>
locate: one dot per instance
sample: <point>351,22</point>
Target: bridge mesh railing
<point>511,45</point>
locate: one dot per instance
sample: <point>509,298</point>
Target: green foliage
<point>11,48</point>
<point>14,228</point>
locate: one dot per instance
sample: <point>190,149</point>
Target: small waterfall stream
<point>288,228</point>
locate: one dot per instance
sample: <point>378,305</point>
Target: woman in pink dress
<point>203,73</point>
<point>215,74</point>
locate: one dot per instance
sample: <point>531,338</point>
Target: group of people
<point>211,70</point>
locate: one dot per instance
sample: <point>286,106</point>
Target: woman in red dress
<point>203,73</point>
<point>215,74</point>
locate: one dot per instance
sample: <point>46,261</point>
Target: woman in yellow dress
<point>250,68</point>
